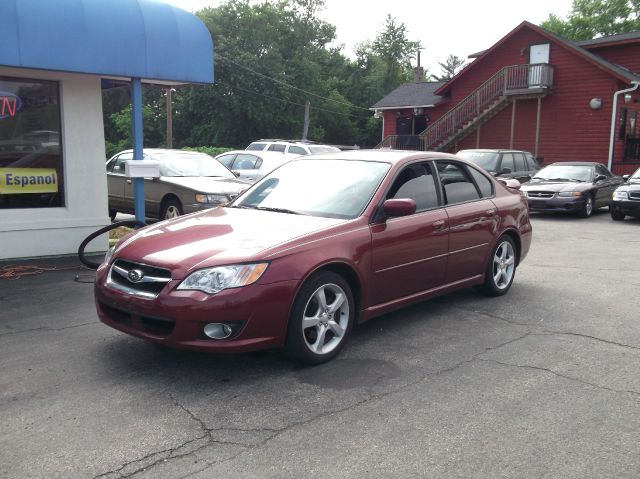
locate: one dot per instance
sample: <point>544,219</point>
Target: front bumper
<point>177,318</point>
<point>570,204</point>
<point>627,207</point>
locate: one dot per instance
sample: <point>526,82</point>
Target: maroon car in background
<point>318,245</point>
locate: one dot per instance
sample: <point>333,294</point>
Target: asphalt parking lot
<point>540,383</point>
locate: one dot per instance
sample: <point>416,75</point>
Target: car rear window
<point>256,146</point>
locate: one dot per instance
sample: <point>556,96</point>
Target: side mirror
<point>626,177</point>
<point>510,183</point>
<point>237,173</point>
<point>599,178</point>
<point>399,207</point>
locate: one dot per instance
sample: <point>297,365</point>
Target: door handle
<point>490,212</point>
<point>438,225</point>
<point>129,181</point>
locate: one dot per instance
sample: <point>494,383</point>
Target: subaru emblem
<point>135,275</point>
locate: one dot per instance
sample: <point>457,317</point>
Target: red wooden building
<point>532,91</point>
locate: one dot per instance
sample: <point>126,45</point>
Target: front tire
<point>501,269</point>
<point>321,319</point>
<point>587,209</point>
<point>616,215</point>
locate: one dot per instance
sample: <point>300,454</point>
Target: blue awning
<point>145,39</point>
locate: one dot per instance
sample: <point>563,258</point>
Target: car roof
<point>576,163</point>
<point>382,154</point>
<point>260,153</point>
<point>492,150</point>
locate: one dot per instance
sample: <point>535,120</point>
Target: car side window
<point>246,162</point>
<point>507,162</point>
<point>276,147</point>
<point>484,184</point>
<point>117,166</point>
<point>226,160</point>
<point>532,162</point>
<point>297,150</point>
<point>601,170</point>
<point>417,183</point>
<point>519,162</point>
<point>457,185</point>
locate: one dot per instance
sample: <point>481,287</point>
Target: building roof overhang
<point>145,39</point>
<point>614,70</point>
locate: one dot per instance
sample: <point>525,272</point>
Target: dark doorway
<point>403,126</point>
<point>420,124</point>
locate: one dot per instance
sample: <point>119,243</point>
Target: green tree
<point>450,67</point>
<point>594,18</point>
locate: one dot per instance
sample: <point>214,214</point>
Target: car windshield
<point>484,159</point>
<point>328,188</point>
<point>190,164</point>
<point>636,175</point>
<point>565,173</point>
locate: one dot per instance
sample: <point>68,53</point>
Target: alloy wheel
<point>172,212</point>
<point>325,319</point>
<point>504,265</point>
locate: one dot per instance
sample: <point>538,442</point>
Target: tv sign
<point>9,105</point>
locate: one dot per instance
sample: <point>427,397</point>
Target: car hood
<point>217,236</point>
<point>631,185</point>
<point>555,186</point>
<point>208,184</point>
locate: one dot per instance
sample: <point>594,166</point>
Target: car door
<point>116,182</point>
<point>472,218</point>
<point>605,187</point>
<point>521,170</point>
<point>247,166</point>
<point>507,161</point>
<point>409,253</point>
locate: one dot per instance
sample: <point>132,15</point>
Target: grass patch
<point>117,233</point>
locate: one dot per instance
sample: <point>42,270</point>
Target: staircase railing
<point>509,79</point>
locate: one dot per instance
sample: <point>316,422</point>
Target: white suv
<point>291,147</point>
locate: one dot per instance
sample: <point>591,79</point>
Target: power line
<point>288,85</point>
<point>233,87</point>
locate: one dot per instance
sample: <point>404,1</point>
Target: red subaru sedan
<point>318,245</point>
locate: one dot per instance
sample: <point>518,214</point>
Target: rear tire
<point>321,319</point>
<point>171,208</point>
<point>501,269</point>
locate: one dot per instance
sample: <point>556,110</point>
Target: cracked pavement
<point>542,382</point>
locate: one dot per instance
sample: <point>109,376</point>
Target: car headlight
<point>570,193</point>
<point>109,254</point>
<point>620,195</point>
<point>211,199</point>
<point>214,280</point>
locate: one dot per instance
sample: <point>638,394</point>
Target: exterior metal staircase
<point>515,81</point>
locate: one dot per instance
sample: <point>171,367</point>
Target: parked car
<point>573,187</point>
<point>298,148</point>
<point>517,164</point>
<point>254,165</point>
<point>626,198</point>
<point>317,245</point>
<point>188,182</point>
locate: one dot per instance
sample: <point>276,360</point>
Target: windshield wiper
<point>576,179</point>
<point>558,179</point>
<point>277,210</point>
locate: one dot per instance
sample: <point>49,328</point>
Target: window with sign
<point>31,174</point>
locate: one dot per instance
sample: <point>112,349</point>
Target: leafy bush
<point>209,150</point>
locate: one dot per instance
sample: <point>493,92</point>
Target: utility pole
<point>305,130</point>
<point>169,118</point>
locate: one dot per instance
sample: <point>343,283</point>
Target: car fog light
<point>218,330</point>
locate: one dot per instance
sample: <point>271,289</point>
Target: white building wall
<point>55,231</point>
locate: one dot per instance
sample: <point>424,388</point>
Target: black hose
<point>88,239</point>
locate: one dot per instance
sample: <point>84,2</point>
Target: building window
<point>31,174</point>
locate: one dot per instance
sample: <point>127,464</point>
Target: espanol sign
<point>28,180</point>
<point>9,104</point>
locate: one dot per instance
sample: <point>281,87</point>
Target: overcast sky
<point>458,27</point>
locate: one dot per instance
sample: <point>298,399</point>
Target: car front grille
<point>634,195</point>
<point>540,194</point>
<point>137,279</point>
